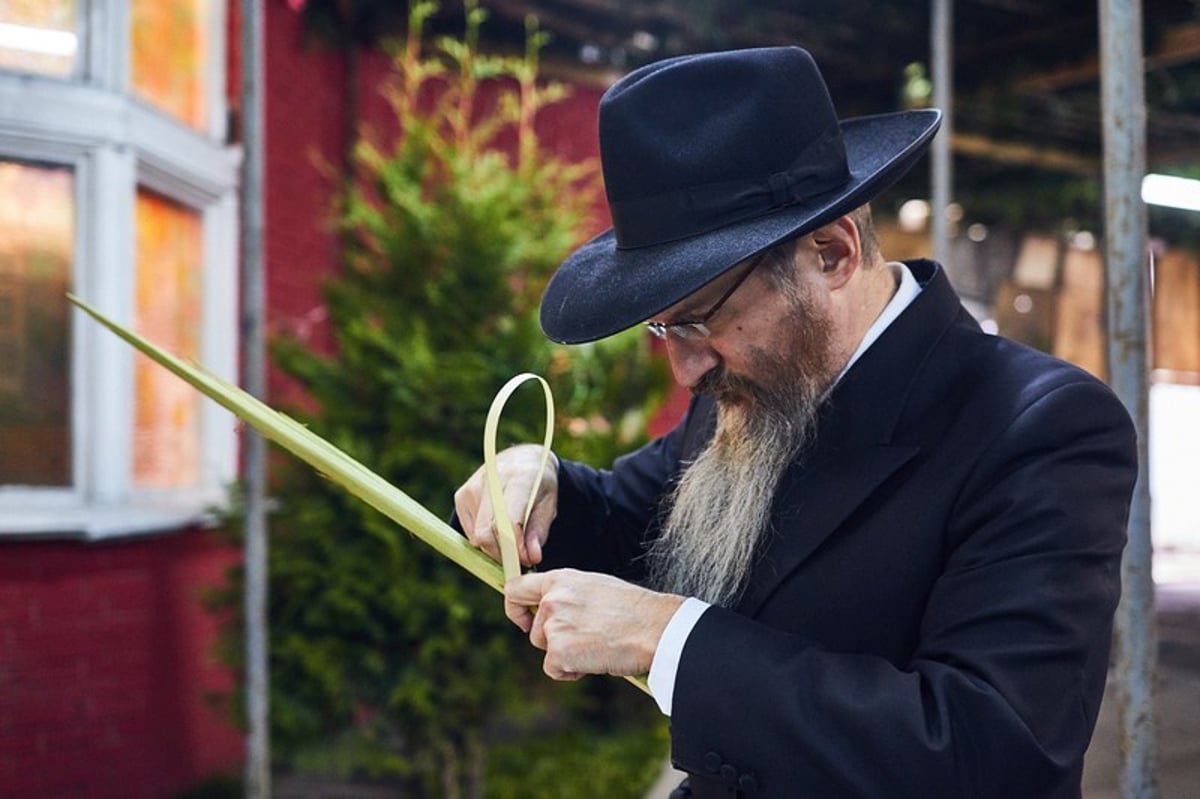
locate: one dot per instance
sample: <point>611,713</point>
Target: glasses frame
<point>697,329</point>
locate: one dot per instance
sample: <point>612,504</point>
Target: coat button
<point>748,783</point>
<point>712,762</point>
<point>729,775</point>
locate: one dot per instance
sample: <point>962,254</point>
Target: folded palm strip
<point>336,465</point>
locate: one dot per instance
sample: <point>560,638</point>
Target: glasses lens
<point>690,331</point>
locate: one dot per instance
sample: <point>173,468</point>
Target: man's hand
<point>518,469</point>
<point>589,623</point>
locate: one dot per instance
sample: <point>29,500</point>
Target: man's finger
<point>533,548</point>
<point>516,498</point>
<point>520,615</point>
<point>527,589</point>
<point>555,671</point>
<point>483,535</point>
<point>519,537</point>
<point>538,528</point>
<point>537,631</point>
<point>466,500</point>
<point>522,595</point>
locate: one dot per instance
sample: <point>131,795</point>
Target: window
<point>36,235</point>
<point>167,310</point>
<point>115,184</point>
<point>170,67</point>
<point>39,36</point>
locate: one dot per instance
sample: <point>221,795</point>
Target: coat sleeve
<point>607,516</point>
<point>1000,697</point>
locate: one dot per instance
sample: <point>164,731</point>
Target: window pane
<point>170,56</point>
<point>37,224</point>
<point>38,36</point>
<point>166,434</point>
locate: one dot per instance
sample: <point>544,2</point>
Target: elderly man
<point>879,556</point>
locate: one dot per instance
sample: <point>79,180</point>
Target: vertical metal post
<point>941,47</point>
<point>1123,106</point>
<point>258,758</point>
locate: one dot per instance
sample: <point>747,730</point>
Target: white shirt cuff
<point>670,647</point>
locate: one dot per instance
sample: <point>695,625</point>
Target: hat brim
<point>600,290</point>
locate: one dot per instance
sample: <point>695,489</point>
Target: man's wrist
<point>657,619</point>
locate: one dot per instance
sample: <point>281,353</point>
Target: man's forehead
<point>695,300</point>
<point>699,300</point>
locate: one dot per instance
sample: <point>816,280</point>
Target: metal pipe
<point>942,56</point>
<point>1123,107</point>
<point>258,759</point>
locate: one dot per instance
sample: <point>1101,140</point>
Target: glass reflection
<point>170,60</point>
<point>166,433</point>
<point>39,36</point>
<point>37,230</point>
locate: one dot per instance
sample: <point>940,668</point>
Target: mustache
<point>724,385</point>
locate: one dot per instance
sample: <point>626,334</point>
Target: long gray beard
<point>720,510</point>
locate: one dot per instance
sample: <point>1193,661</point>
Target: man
<point>880,555</point>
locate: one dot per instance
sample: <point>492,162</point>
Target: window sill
<point>101,523</point>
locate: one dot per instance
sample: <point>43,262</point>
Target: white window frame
<point>115,143</point>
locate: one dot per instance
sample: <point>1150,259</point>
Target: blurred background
<point>402,199</point>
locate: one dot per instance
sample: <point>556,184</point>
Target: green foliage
<point>577,766</point>
<point>386,659</point>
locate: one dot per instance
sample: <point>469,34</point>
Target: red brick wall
<point>105,663</point>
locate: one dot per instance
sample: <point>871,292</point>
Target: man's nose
<point>690,360</point>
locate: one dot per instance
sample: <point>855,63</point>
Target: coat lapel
<point>856,448</point>
<point>812,501</point>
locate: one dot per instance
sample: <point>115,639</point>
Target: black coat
<point>931,616</point>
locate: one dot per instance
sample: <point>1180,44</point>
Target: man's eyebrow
<point>692,309</point>
<point>689,310</point>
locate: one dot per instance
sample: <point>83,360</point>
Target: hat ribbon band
<point>683,213</point>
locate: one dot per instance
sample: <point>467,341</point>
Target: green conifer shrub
<point>386,660</point>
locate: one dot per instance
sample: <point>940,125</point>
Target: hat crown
<point>721,124</point>
<point>708,160</point>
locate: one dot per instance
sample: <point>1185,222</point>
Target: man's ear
<point>839,250</point>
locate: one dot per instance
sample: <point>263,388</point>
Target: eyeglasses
<point>697,329</point>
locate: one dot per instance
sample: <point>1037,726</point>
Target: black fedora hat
<point>709,159</point>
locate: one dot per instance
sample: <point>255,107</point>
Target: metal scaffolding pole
<point>1123,106</point>
<point>258,759</point>
<point>941,47</point>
